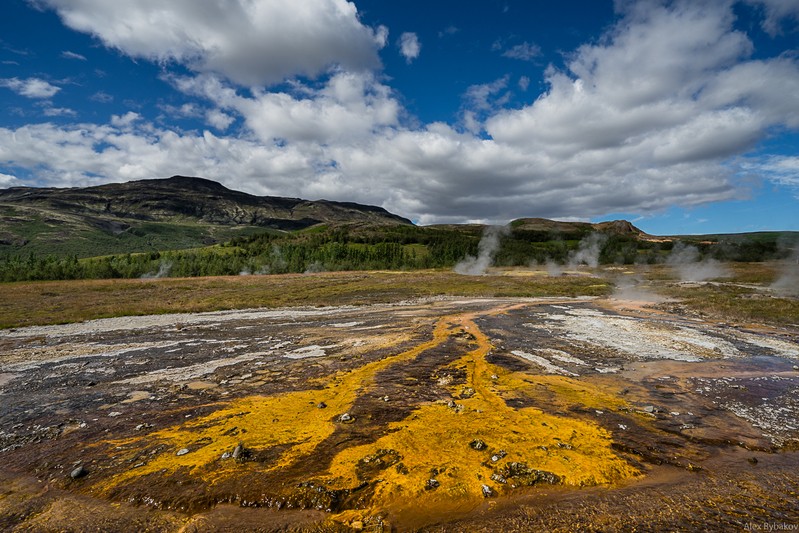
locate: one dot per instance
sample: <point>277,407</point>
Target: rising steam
<point>486,250</point>
<point>588,251</point>
<point>686,260</point>
<point>787,282</point>
<point>163,271</point>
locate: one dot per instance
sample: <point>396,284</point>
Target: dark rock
<point>752,460</point>
<point>431,484</point>
<point>238,452</point>
<point>499,455</point>
<point>488,492</point>
<point>78,472</point>
<point>321,405</point>
<point>524,475</point>
<point>477,444</point>
<point>346,418</point>
<point>498,478</point>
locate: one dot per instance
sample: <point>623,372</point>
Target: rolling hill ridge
<point>158,214</point>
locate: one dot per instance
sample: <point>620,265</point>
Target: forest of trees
<point>371,248</point>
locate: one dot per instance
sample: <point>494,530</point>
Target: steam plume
<point>686,260</point>
<point>486,250</point>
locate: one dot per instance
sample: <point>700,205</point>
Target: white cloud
<point>349,106</point>
<point>524,52</point>
<point>66,54</point>
<point>7,180</point>
<point>126,120</point>
<point>59,112</point>
<point>31,87</point>
<point>483,97</point>
<point>102,97</point>
<point>249,42</point>
<point>657,113</point>
<point>524,83</point>
<point>783,170</point>
<point>219,119</point>
<point>409,46</point>
<point>776,12</point>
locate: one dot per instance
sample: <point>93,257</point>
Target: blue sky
<point>682,116</point>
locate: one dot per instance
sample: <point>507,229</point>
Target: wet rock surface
<point>316,411</point>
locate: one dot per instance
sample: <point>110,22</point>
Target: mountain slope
<point>159,214</point>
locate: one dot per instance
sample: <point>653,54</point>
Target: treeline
<point>374,248</point>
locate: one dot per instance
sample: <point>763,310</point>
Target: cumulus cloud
<point>660,111</point>
<point>7,180</point>
<point>348,106</point>
<point>219,119</point>
<point>252,43</point>
<point>481,99</point>
<point>524,52</point>
<point>31,87</point>
<point>126,120</point>
<point>409,46</point>
<point>776,13</point>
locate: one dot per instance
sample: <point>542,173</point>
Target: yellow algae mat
<point>451,453</point>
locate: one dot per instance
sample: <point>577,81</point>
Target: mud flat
<point>437,414</point>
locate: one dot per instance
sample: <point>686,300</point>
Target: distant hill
<point>158,214</point>
<point>615,227</point>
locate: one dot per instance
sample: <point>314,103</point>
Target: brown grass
<point>55,302</point>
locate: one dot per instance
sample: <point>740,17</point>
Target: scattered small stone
<point>796,367</point>
<point>321,405</point>
<point>488,492</point>
<point>649,408</point>
<point>78,472</point>
<point>622,427</point>
<point>498,478</point>
<point>565,446</point>
<point>182,451</point>
<point>114,414</point>
<point>226,455</point>
<point>600,412</point>
<point>137,465</point>
<point>477,444</point>
<point>238,451</point>
<point>494,376</point>
<point>499,455</point>
<point>386,398</point>
<point>467,392</point>
<point>693,468</point>
<point>752,460</point>
<point>346,418</point>
<point>431,484</point>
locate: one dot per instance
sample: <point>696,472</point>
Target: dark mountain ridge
<point>182,198</point>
